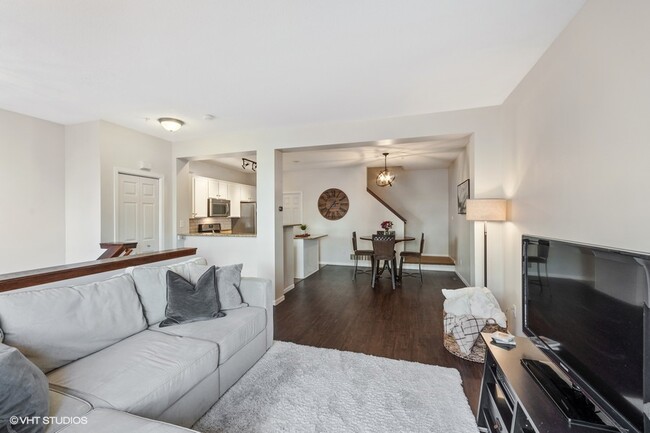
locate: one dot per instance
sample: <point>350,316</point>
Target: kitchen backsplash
<point>194,223</point>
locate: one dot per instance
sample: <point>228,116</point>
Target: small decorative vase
<point>386,232</point>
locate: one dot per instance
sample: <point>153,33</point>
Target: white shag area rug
<point>296,388</point>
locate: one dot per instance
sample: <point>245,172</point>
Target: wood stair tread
<point>431,260</point>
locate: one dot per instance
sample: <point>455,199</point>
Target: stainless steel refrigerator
<point>247,221</point>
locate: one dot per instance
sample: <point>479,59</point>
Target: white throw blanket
<point>468,310</point>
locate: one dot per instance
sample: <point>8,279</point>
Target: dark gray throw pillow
<point>24,392</point>
<point>187,302</point>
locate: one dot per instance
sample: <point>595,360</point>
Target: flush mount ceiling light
<point>245,162</point>
<point>171,124</point>
<point>385,177</point>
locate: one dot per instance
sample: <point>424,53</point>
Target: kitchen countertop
<point>310,237</point>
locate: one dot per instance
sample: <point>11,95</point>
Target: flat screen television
<point>587,308</point>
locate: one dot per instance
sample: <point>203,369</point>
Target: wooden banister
<point>35,277</point>
<point>379,199</point>
<point>117,249</point>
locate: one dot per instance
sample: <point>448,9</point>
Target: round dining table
<point>397,239</point>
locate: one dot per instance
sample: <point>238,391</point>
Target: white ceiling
<point>411,154</point>
<point>265,64</point>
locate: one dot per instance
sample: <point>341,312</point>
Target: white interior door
<point>292,208</point>
<point>138,210</point>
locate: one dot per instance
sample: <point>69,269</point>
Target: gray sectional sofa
<point>106,359</point>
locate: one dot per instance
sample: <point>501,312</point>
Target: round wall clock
<point>333,204</point>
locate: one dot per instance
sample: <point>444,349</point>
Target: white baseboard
<point>288,289</point>
<point>277,301</point>
<point>462,279</point>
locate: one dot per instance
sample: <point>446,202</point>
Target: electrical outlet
<point>181,224</point>
<point>514,310</point>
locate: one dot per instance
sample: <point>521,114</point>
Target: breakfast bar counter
<point>307,254</point>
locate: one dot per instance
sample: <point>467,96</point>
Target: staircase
<point>386,205</point>
<point>437,262</point>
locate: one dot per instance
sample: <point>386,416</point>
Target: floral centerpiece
<point>387,225</point>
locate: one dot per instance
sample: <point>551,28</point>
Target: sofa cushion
<point>111,421</point>
<point>151,284</point>
<point>143,375</point>
<point>23,391</point>
<point>187,302</point>
<point>231,333</point>
<point>55,326</point>
<point>63,407</point>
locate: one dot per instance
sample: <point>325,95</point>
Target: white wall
<point>459,228</point>
<point>225,250</point>
<point>32,187</point>
<point>183,186</point>
<point>576,130</point>
<point>207,169</point>
<point>125,148</point>
<point>82,198</point>
<point>364,216</point>
<point>421,197</point>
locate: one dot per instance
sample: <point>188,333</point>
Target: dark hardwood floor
<point>330,310</point>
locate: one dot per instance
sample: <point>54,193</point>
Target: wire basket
<point>477,352</point>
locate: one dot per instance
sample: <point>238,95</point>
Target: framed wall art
<point>463,195</point>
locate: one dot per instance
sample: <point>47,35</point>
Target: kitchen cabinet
<point>239,193</point>
<point>218,189</point>
<point>248,193</point>
<point>205,187</point>
<point>200,197</point>
<point>235,200</point>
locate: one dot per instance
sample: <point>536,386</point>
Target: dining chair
<point>360,254</point>
<point>412,254</point>
<point>383,247</point>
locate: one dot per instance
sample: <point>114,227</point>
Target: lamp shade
<point>486,210</point>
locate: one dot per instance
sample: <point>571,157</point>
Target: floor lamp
<point>486,210</point>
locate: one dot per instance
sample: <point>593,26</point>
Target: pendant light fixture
<point>385,177</point>
<point>171,124</point>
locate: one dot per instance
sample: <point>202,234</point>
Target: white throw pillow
<point>458,306</point>
<point>456,293</point>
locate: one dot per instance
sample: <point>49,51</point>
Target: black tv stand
<point>577,409</point>
<point>512,400</point>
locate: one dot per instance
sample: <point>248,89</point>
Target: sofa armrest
<point>258,292</point>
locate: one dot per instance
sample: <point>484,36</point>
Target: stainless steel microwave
<point>218,207</point>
